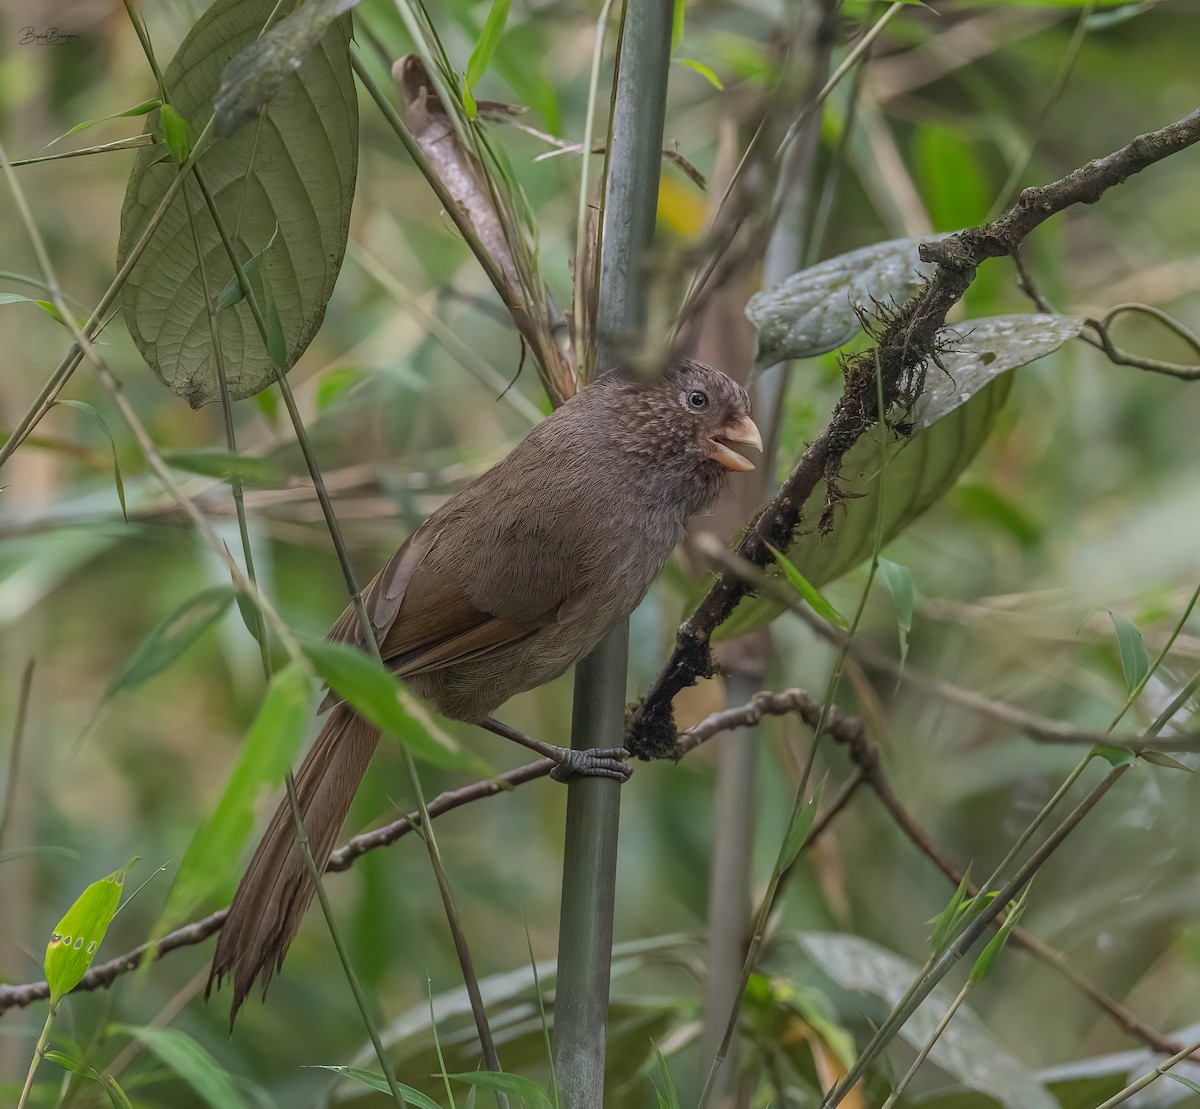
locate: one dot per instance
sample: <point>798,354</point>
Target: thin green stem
<point>1150,1076</point>
<point>38,1052</point>
<point>929,1045</point>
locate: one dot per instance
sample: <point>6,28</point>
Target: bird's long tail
<point>276,889</point>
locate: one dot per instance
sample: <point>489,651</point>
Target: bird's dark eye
<point>697,401</point>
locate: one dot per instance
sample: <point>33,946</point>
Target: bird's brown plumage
<point>502,589</point>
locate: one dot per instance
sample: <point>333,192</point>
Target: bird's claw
<point>595,762</point>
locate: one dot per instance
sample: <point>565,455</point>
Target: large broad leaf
<point>965,1049</point>
<point>815,311</point>
<point>950,423</point>
<point>287,181</point>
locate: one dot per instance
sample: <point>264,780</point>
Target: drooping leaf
<point>83,406</point>
<point>268,751</point>
<point>295,172</point>
<point>814,311</point>
<point>375,1081</point>
<point>481,53</point>
<point>191,1062</point>
<point>809,592</point>
<point>117,1097</point>
<point>1135,663</point>
<point>168,640</point>
<point>898,582</point>
<point>376,694</point>
<point>705,71</point>
<point>950,423</point>
<point>76,937</point>
<point>991,952</point>
<point>515,1085</point>
<point>966,1048</point>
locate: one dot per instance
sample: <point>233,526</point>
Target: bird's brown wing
<point>423,619</point>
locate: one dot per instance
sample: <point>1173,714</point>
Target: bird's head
<point>689,426</point>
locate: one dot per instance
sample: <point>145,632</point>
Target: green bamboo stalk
<point>593,804</point>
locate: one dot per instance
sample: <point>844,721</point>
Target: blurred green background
<point>1084,499</point>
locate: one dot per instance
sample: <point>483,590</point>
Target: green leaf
<point>950,423</point>
<point>144,108</point>
<point>375,694</point>
<point>47,306</point>
<point>176,134</point>
<point>1158,758</point>
<point>668,1095</point>
<point>191,1062</point>
<point>223,465</point>
<point>296,172</point>
<point>336,383</point>
<point>678,17</point>
<point>83,406</point>
<point>944,924</point>
<point>268,751</point>
<point>169,639</point>
<point>514,1084</point>
<point>988,956</point>
<point>377,1082</point>
<point>809,592</point>
<point>799,825</point>
<point>898,582</point>
<point>276,342</point>
<point>1114,756</point>
<point>233,293</point>
<point>705,71</point>
<point>481,53</point>
<point>1135,663</point>
<point>76,937</point>
<point>1194,1087</point>
<point>117,1097</point>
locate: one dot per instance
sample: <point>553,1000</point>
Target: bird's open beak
<point>741,431</point>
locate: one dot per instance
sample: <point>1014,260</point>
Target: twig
<point>907,342</point>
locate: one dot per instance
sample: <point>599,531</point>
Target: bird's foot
<point>595,762</point>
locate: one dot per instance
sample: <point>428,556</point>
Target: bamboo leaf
<point>375,1081</point>
<point>943,926</point>
<point>83,406</point>
<point>799,826</point>
<point>117,1097</point>
<point>233,293</point>
<point>898,582</point>
<point>76,937</point>
<point>374,692</point>
<point>169,639</point>
<point>991,952</point>
<point>514,1084</point>
<point>1135,663</point>
<point>144,108</point>
<point>1158,758</point>
<point>269,749</point>
<point>809,592</point>
<point>296,173</point>
<point>481,53</point>
<point>705,71</point>
<point>191,1062</point>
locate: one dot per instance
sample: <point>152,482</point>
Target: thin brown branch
<point>903,348</point>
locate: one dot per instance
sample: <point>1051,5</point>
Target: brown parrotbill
<point>503,588</point>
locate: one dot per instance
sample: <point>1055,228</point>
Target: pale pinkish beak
<point>741,431</point>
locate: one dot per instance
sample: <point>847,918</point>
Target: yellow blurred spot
<point>681,206</point>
